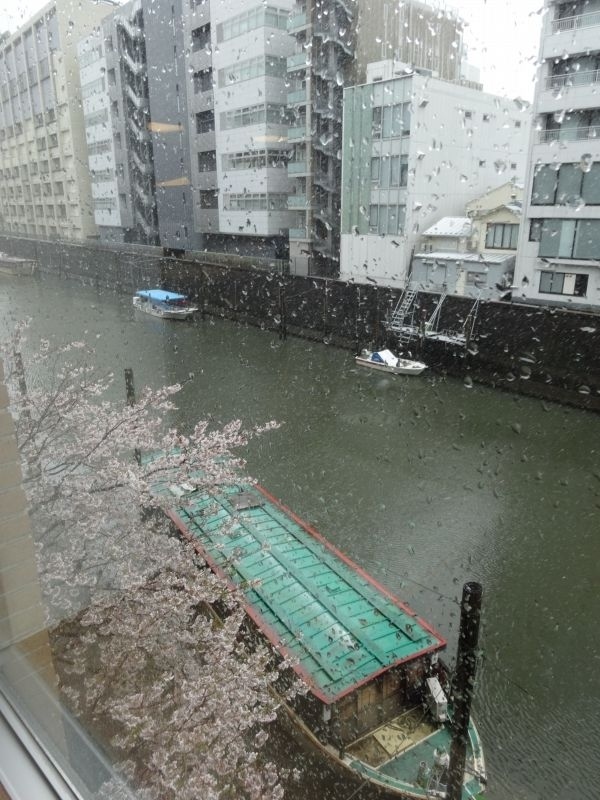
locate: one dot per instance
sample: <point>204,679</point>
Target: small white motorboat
<point>159,303</point>
<point>386,361</point>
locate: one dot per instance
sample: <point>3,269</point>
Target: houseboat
<point>376,701</point>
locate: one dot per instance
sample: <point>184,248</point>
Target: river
<point>425,482</point>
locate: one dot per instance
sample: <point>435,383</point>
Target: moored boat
<point>160,303</point>
<point>376,705</point>
<point>12,265</point>
<point>386,361</point>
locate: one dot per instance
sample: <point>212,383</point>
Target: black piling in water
<point>463,685</point>
<point>130,392</point>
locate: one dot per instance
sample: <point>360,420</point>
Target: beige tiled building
<point>45,183</point>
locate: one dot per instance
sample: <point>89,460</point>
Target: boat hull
<point>359,775</point>
<point>13,266</point>
<point>155,310</point>
<point>406,368</point>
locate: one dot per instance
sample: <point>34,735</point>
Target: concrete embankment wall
<point>553,354</point>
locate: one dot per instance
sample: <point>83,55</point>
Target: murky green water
<point>424,482</point>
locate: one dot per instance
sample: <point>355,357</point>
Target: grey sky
<point>502,37</point>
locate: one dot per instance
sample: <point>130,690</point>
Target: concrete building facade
<point>114,86</point>
<point>45,188</point>
<point>417,149</point>
<point>559,247</point>
<point>335,40</point>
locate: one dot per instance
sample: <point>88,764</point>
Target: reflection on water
<point>424,482</point>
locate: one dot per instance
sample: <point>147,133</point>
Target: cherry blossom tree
<point>178,696</point>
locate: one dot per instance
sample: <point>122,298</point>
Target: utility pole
<point>463,685</point>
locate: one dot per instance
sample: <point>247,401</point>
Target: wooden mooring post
<point>463,685</point>
<point>130,393</point>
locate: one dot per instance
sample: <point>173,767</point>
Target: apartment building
<point>195,97</point>
<point>45,188</point>
<point>335,40</point>
<point>114,91</point>
<point>238,116</point>
<point>559,248</point>
<point>417,149</point>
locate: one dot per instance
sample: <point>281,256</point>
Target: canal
<point>426,483</point>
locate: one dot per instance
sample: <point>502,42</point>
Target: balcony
<point>572,34</point>
<point>297,21</point>
<point>574,23</point>
<point>297,168</point>
<point>558,82</point>
<point>294,98</point>
<point>297,133</point>
<point>297,201</point>
<point>297,234</point>
<point>569,134</point>
<point>298,61</point>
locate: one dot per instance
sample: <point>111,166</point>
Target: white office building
<point>417,149</point>
<point>237,103</point>
<point>558,262</point>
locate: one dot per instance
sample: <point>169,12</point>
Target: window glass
<point>570,179</point>
<point>591,185</point>
<point>544,185</point>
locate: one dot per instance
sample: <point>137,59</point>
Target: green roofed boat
<point>376,705</point>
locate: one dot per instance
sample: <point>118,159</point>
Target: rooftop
<point>450,226</point>
<point>339,627</point>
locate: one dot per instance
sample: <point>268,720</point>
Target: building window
<point>566,185</point>
<point>502,236</point>
<point>570,238</point>
<point>201,37</point>
<point>390,122</point>
<point>269,113</point>
<point>257,67</point>
<point>203,80</point>
<point>563,283</point>
<point>208,199</point>
<point>385,219</point>
<point>207,161</point>
<point>255,202</point>
<point>475,279</point>
<point>205,122</point>
<point>535,230</point>
<point>259,17</point>
<point>255,159</point>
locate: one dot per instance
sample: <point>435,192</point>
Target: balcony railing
<point>298,60</point>
<point>297,201</point>
<point>573,79</point>
<point>573,23</point>
<point>297,97</point>
<point>296,21</point>
<point>298,233</point>
<point>298,132</point>
<point>569,134</point>
<point>296,167</point>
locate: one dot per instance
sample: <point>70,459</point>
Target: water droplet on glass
<point>584,390</point>
<point>468,382</point>
<point>586,162</point>
<point>499,166</point>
